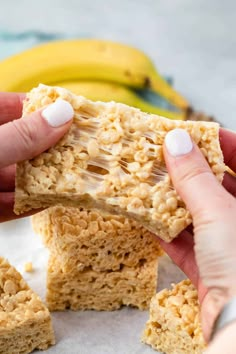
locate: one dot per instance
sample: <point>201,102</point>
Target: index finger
<point>11,105</point>
<point>228,146</point>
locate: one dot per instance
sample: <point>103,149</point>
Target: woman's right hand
<point>24,138</point>
<point>208,254</point>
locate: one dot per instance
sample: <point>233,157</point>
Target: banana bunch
<point>109,91</point>
<point>98,69</point>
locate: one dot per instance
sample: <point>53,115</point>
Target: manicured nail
<point>178,142</point>
<point>58,113</point>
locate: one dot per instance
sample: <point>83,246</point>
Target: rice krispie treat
<point>84,238</point>
<point>112,160</point>
<point>25,322</point>
<point>100,290</point>
<point>174,324</point>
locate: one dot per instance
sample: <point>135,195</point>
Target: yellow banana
<point>84,59</point>
<point>106,91</point>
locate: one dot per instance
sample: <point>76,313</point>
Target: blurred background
<point>191,41</point>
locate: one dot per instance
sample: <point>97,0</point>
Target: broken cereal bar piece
<point>112,160</point>
<point>25,322</point>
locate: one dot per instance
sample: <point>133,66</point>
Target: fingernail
<point>58,113</point>
<point>178,142</point>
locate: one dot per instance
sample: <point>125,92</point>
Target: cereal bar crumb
<point>28,267</point>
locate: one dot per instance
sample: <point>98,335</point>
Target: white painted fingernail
<point>58,113</point>
<point>178,142</point>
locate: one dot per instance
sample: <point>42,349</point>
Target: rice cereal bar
<point>112,160</point>
<point>174,324</point>
<point>84,238</point>
<point>25,322</point>
<point>88,289</point>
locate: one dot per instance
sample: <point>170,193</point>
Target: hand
<point>207,253</point>
<point>24,138</point>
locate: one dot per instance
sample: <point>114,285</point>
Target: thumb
<point>27,137</point>
<point>191,174</point>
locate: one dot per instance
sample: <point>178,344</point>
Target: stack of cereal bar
<point>97,261</point>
